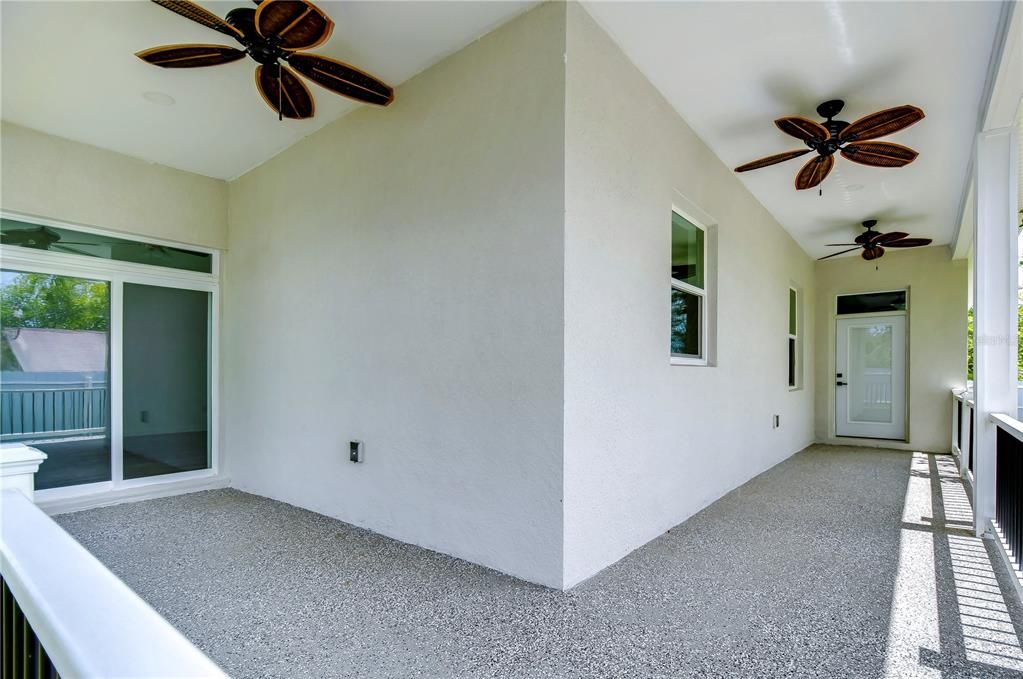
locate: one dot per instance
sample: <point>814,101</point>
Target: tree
<point>34,300</point>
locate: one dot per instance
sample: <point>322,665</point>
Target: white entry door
<point>870,377</point>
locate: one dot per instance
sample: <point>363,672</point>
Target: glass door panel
<point>870,377</point>
<point>166,394</point>
<point>870,361</point>
<point>54,373</point>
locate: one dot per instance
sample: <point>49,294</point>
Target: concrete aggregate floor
<point>839,562</point>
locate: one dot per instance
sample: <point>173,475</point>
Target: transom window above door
<point>74,242</point>
<point>871,302</point>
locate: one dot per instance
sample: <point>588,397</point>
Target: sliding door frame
<point>116,274</point>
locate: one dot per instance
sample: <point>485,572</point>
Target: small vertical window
<point>793,345</point>
<point>688,291</point>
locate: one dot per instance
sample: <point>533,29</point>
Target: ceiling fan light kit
<point>275,31</point>
<point>853,141</point>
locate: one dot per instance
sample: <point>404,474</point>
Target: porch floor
<point>839,562</point>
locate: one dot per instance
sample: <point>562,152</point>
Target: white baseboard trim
<point>1003,549</point>
<point>77,503</point>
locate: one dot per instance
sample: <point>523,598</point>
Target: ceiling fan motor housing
<point>263,50</point>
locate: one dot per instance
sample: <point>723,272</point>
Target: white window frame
<point>797,362</point>
<point>117,273</point>
<point>701,358</point>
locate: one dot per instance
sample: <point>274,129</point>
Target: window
<point>688,291</point>
<point>63,240</point>
<point>107,357</point>
<point>794,363</point>
<point>872,302</point>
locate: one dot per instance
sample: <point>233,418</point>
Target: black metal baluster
<point>969,459</point>
<point>959,426</point>
<point>5,639</point>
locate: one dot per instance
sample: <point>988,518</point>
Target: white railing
<point>963,424</point>
<point>1007,523</point>
<point>88,622</point>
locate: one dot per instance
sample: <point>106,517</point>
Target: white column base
<point>18,466</point>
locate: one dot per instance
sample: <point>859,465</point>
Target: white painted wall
<point>397,278</point>
<point>46,176</point>
<point>648,444</point>
<point>937,337</point>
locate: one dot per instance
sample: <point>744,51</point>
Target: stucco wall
<point>397,278</point>
<point>937,337</point>
<point>47,176</point>
<point>648,444</point>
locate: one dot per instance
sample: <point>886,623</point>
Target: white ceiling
<point>731,68</point>
<point>69,70</point>
<point>728,68</point>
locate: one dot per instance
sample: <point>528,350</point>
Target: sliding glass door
<point>166,350</point>
<point>108,363</point>
<point>55,388</point>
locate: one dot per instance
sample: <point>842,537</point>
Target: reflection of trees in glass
<point>877,347</point>
<point>685,323</point>
<point>34,300</point>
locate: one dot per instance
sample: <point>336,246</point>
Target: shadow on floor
<point>839,562</point>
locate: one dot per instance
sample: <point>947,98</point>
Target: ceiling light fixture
<point>158,98</point>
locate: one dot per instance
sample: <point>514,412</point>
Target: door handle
<point>841,384</point>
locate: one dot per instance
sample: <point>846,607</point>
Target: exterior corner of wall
<point>635,425</point>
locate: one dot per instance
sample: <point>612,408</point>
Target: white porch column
<point>18,466</point>
<point>995,305</point>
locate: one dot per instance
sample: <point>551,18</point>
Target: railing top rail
<point>90,623</point>
<point>1009,424</point>
<point>29,390</point>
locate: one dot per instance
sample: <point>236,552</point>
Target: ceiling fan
<point>275,31</point>
<point>873,242</point>
<point>851,140</point>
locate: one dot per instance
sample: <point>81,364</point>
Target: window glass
<point>58,239</point>
<point>686,251</point>
<point>870,355</point>
<point>792,311</point>
<point>685,323</point>
<point>792,361</point>
<point>793,344</point>
<point>166,393</point>
<point>872,302</point>
<point>55,356</point>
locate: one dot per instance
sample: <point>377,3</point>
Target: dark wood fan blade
<point>866,237</point>
<point>340,78</point>
<point>190,56</point>
<point>802,128</point>
<point>296,102</point>
<point>873,253</point>
<point>882,123</point>
<point>879,154</point>
<point>814,172</point>
<point>838,253</point>
<point>838,245</point>
<point>910,243</point>
<point>294,24</point>
<point>771,160</point>
<point>199,15</point>
<point>886,238</point>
